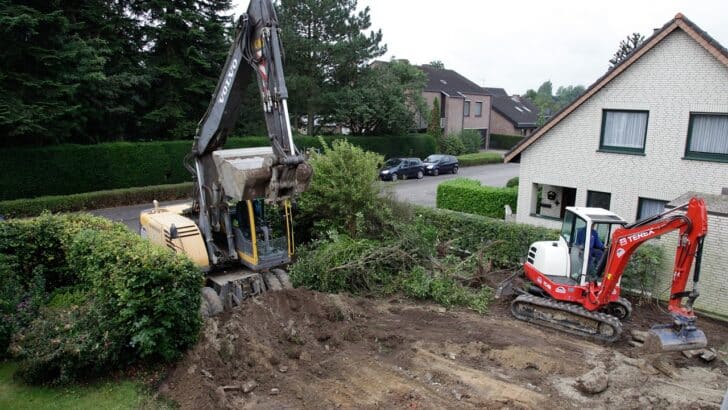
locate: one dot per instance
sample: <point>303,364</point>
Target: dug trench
<point>302,349</point>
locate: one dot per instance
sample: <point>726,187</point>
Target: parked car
<point>402,168</point>
<point>440,164</point>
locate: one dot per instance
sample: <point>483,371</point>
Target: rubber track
<point>571,309</point>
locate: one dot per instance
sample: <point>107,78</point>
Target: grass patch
<point>19,208</point>
<point>480,158</point>
<point>124,394</point>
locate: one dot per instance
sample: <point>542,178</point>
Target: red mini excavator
<point>575,281</point>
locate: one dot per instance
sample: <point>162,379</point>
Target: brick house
<point>512,114</point>
<point>643,135</point>
<point>463,104</point>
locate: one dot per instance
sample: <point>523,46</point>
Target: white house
<point>648,131</point>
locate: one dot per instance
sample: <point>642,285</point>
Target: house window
<point>707,137</point>
<point>550,201</point>
<point>647,207</point>
<point>466,109</point>
<point>596,199</point>
<point>478,109</point>
<point>623,131</point>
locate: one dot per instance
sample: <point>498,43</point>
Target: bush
<point>70,169</point>
<point>115,298</point>
<point>344,194</point>
<point>451,145</point>
<point>640,274</point>
<point>500,141</point>
<point>472,140</point>
<point>94,200</point>
<point>467,195</point>
<point>480,158</point>
<point>508,241</point>
<point>512,183</point>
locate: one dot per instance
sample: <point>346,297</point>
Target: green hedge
<point>115,298</point>
<point>510,241</point>
<point>467,195</point>
<point>480,158</point>
<point>70,169</point>
<point>500,141</point>
<point>94,200</point>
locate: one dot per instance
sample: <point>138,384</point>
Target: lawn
<point>126,394</point>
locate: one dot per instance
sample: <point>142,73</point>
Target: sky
<point>517,45</point>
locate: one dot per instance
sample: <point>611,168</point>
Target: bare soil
<point>302,349</point>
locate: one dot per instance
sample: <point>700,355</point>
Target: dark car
<point>402,168</point>
<point>440,164</point>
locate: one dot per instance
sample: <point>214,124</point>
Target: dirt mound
<point>302,349</point>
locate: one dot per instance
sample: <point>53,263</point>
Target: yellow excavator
<point>239,226</point>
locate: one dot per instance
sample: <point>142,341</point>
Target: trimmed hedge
<point>510,241</point>
<point>18,208</point>
<point>480,158</point>
<point>500,141</point>
<point>70,169</point>
<point>116,298</point>
<point>467,195</point>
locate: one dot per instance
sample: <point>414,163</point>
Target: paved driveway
<point>423,191</point>
<point>416,191</point>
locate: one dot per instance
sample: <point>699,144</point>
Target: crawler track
<point>567,317</point>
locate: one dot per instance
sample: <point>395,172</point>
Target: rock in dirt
<point>232,387</point>
<point>283,369</point>
<point>221,397</point>
<point>708,355</point>
<point>249,386</point>
<point>665,368</point>
<point>206,374</point>
<point>639,335</point>
<point>691,353</point>
<point>593,382</point>
<point>274,391</point>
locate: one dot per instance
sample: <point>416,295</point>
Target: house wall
<point>478,123</point>
<point>501,125</point>
<point>454,115</point>
<point>429,98</point>
<point>674,78</point>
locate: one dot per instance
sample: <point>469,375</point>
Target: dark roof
<point>678,22</point>
<point>449,82</point>
<point>495,92</point>
<point>518,110</point>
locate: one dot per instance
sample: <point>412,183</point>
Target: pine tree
<point>626,47</point>
<point>189,42</point>
<point>326,49</point>
<point>433,127</point>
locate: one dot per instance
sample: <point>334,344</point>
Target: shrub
<point>115,298</point>
<point>451,144</point>
<point>508,241</point>
<point>640,274</point>
<point>480,158</point>
<point>94,200</point>
<point>344,194</point>
<point>70,169</point>
<point>472,140</point>
<point>466,195</point>
<point>500,141</point>
<point>512,183</point>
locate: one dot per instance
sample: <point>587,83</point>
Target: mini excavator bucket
<point>250,173</point>
<point>676,337</point>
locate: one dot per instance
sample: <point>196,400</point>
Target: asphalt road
<point>416,191</point>
<point>423,191</point>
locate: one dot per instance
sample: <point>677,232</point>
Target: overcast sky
<point>519,44</point>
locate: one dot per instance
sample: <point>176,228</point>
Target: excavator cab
<point>263,233</point>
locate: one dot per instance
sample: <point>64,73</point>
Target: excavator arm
<point>692,226</point>
<point>276,173</point>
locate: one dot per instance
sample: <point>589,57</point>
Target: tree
<point>625,48</point>
<point>433,127</point>
<point>549,103</point>
<point>383,100</point>
<point>189,41</point>
<point>437,64</point>
<point>326,50</point>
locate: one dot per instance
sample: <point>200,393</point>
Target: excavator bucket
<point>250,173</point>
<point>674,338</point>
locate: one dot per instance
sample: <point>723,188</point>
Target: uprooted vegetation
<point>82,296</point>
